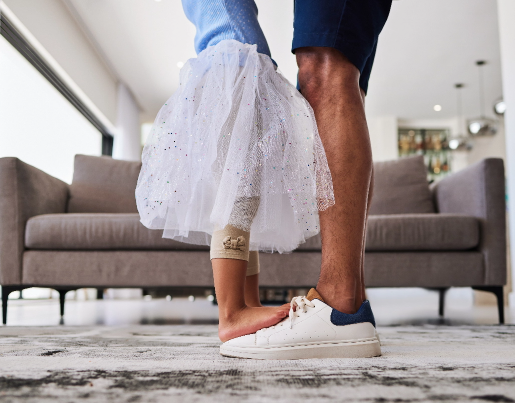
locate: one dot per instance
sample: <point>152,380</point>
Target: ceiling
<point>426,47</point>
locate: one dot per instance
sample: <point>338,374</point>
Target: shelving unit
<point>433,144</point>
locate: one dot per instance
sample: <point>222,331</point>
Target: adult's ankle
<point>343,299</point>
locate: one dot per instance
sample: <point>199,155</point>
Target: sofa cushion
<point>451,232</point>
<point>103,185</point>
<point>409,232</point>
<point>401,187</point>
<point>97,232</point>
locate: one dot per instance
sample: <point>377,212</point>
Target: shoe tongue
<point>313,294</point>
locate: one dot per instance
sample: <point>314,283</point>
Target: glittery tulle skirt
<point>235,144</point>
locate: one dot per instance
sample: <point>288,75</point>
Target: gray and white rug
<point>182,363</point>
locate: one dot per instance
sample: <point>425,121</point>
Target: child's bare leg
<point>236,274</point>
<point>252,291</point>
<point>236,318</point>
<point>252,281</point>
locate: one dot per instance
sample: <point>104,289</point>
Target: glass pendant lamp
<point>481,126</point>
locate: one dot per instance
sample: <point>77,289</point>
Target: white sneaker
<point>313,330</point>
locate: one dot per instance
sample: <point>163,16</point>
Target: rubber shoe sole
<point>364,348</point>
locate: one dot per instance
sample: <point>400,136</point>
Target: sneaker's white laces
<point>298,305</point>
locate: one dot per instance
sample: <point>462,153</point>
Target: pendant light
<point>460,142</point>
<point>499,107</point>
<point>481,126</point>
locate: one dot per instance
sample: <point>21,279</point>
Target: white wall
<point>127,141</point>
<point>383,136</point>
<point>54,28</point>
<point>489,147</point>
<point>506,10</point>
<point>276,20</point>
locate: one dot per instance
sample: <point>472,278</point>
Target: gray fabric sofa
<point>88,234</point>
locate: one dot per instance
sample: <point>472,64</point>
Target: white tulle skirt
<point>235,130</point>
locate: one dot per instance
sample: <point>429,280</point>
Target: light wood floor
<point>391,307</point>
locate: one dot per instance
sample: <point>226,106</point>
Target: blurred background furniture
<point>88,234</point>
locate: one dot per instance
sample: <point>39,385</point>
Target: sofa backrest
<point>103,185</point>
<point>106,185</point>
<point>401,187</point>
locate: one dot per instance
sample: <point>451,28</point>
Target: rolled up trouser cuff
<point>253,265</point>
<point>230,243</point>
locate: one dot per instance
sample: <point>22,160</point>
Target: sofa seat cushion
<point>416,232</point>
<point>97,231</point>
<point>450,232</point>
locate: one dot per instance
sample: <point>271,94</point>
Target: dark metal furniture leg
<point>62,295</point>
<point>441,301</point>
<point>6,290</point>
<point>498,290</point>
<point>5,296</point>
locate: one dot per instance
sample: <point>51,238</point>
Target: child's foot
<point>249,320</point>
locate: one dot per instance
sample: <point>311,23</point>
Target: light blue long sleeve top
<point>216,20</point>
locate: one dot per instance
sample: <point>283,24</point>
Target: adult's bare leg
<point>330,83</point>
<point>369,201</point>
<point>236,318</point>
<point>370,193</point>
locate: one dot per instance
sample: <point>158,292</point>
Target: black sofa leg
<point>498,290</point>
<point>62,295</point>
<point>5,296</point>
<point>441,301</point>
<point>100,293</point>
<point>500,304</point>
<point>6,290</point>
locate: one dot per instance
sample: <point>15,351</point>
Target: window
<point>38,124</point>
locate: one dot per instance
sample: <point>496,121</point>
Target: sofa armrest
<point>25,192</point>
<point>479,191</point>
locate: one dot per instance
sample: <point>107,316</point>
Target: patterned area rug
<point>182,363</point>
